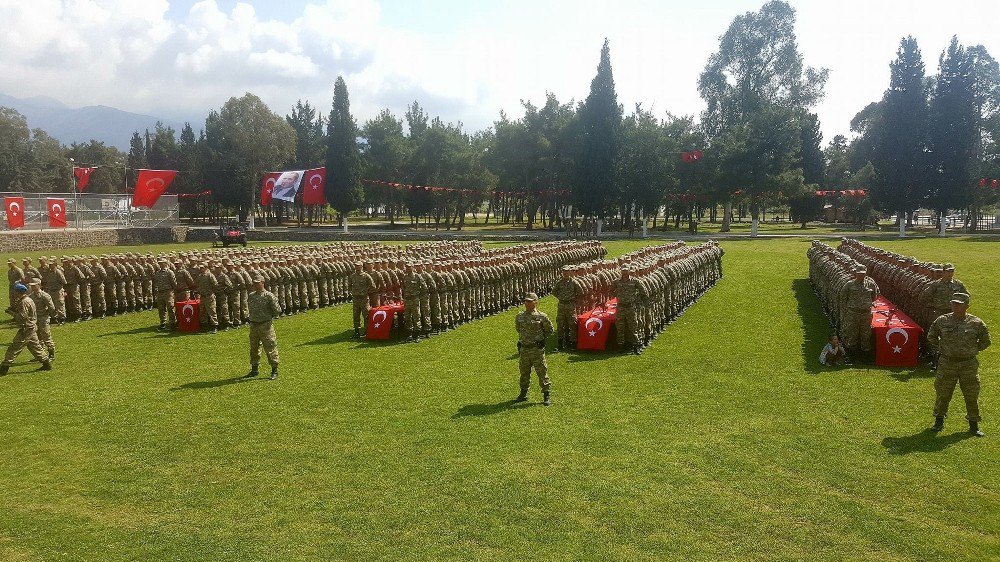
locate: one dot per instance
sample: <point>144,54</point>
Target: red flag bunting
<point>15,212</point>
<point>57,213</point>
<point>150,185</point>
<point>267,187</point>
<point>312,187</point>
<point>82,176</point>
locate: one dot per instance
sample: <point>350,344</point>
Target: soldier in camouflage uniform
<point>54,282</point>
<point>362,289</point>
<point>164,285</point>
<point>86,278</point>
<point>856,305</point>
<point>26,318</point>
<point>98,302</point>
<point>223,289</point>
<point>533,328</point>
<point>568,291</point>
<point>45,309</point>
<point>14,276</point>
<point>264,309</point>
<point>958,337</point>
<point>206,285</point>
<point>413,291</point>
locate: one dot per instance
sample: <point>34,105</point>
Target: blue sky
<point>464,61</point>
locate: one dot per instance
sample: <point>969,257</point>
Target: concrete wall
<point>39,241</point>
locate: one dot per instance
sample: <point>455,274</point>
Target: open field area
<point>724,441</point>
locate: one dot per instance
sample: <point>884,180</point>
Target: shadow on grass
<point>927,441</point>
<point>201,385</point>
<point>490,409</point>
<point>905,375</point>
<point>151,329</point>
<point>815,327</point>
<point>346,335</point>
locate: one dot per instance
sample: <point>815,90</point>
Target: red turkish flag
<point>594,327</point>
<point>380,321</point>
<point>82,176</point>
<point>312,187</point>
<point>57,213</point>
<point>897,337</point>
<point>697,155</point>
<point>686,157</point>
<point>267,187</point>
<point>15,212</point>
<point>187,315</point>
<point>150,185</point>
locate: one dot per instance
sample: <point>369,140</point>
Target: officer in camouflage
<point>164,285</point>
<point>264,309</point>
<point>958,336</point>
<point>533,328</point>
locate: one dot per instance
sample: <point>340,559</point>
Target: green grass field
<point>724,441</point>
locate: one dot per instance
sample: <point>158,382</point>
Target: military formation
<point>847,293</point>
<point>653,285</point>
<point>922,290</point>
<point>445,292</point>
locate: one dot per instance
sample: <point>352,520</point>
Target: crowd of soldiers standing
<point>922,290</point>
<point>847,293</point>
<point>440,293</point>
<point>653,285</point>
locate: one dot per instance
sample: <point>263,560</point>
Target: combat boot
<point>520,397</point>
<point>163,326</point>
<point>357,334</point>
<point>938,423</point>
<point>254,371</point>
<point>546,399</point>
<point>274,372</point>
<point>4,369</point>
<point>974,429</point>
<point>559,346</point>
<point>46,366</point>
<point>52,354</point>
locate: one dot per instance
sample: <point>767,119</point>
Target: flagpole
<point>72,185</point>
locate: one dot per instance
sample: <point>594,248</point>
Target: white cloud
<point>140,56</point>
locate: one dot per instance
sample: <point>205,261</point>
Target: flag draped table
<point>188,315</point>
<point>380,320</point>
<point>593,327</point>
<point>897,336</point>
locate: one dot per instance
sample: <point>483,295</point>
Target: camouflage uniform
<point>532,330</point>
<point>26,318</point>
<point>263,309</point>
<point>164,285</point>
<point>958,340</point>
<point>44,310</point>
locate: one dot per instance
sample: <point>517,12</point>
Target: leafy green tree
<point>385,154</point>
<point>15,150</point>
<point>343,158</point>
<point>757,81</point>
<point>243,141</point>
<point>136,159</point>
<point>595,185</point>
<point>644,170</point>
<point>804,205</point>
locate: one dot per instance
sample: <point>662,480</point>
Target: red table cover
<point>380,320</point>
<point>897,336</point>
<point>593,327</point>
<point>187,315</point>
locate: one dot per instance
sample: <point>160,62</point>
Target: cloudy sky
<point>462,59</point>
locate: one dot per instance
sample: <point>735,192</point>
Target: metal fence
<point>94,210</point>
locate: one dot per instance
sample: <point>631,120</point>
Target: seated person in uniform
<point>833,353</point>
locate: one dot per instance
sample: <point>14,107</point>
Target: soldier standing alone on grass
<point>164,285</point>
<point>958,337</point>
<point>264,309</point>
<point>533,327</point>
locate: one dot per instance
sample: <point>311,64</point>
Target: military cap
<point>530,297</point>
<point>257,278</point>
<point>26,259</point>
<point>34,281</point>
<point>11,260</point>
<point>163,260</point>
<point>860,269</point>
<point>949,267</point>
<point>960,298</point>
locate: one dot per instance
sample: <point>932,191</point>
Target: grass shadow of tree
<point>815,326</point>
<point>926,441</point>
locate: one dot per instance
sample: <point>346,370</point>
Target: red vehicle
<point>233,233</point>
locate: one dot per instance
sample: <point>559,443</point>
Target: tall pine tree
<point>899,155</point>
<point>954,131</point>
<point>595,189</point>
<point>343,159</point>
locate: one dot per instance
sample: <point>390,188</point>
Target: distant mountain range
<point>111,126</point>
